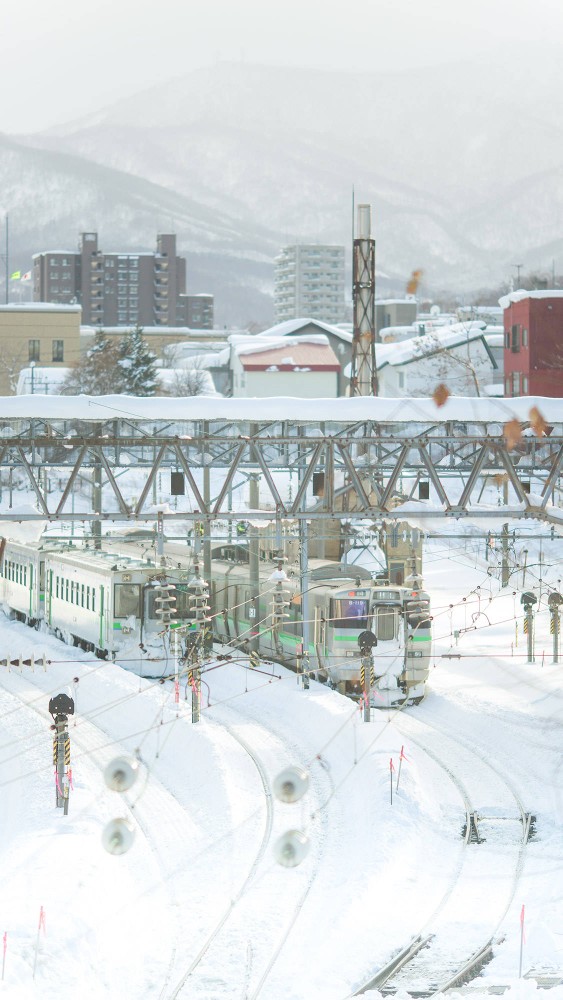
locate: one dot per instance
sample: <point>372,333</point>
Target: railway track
<point>447,951</point>
<point>258,956</point>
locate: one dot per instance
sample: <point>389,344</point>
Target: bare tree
<point>189,382</point>
<point>430,345</point>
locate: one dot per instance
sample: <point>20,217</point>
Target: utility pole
<point>363,380</point>
<point>97,493</point>
<point>554,602</point>
<point>7,263</point>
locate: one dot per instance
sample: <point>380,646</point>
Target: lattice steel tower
<point>363,380</point>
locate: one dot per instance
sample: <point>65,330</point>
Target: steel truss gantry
<point>371,467</point>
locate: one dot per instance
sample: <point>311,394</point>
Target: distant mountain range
<point>462,164</point>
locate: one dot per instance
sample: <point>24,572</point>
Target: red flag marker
<point>403,755</point>
<point>522,939</point>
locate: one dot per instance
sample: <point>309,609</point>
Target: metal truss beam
<point>370,469</point>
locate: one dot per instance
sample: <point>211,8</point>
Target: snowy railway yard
<point>199,906</point>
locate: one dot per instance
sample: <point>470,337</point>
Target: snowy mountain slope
<point>447,156</point>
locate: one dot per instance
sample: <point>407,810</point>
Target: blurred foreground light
<point>291,848</point>
<point>291,784</point>
<point>118,836</point>
<point>121,773</point>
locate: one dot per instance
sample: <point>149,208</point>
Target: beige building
<point>36,333</point>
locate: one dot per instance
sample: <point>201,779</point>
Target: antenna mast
<point>363,381</point>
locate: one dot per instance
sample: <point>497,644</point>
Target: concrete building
<point>114,289</point>
<point>195,311</point>
<point>305,367</point>
<point>533,343</point>
<point>394,312</point>
<point>309,280</point>
<point>34,335</point>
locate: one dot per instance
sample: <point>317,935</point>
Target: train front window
<point>127,600</point>
<point>384,619</point>
<point>349,612</point>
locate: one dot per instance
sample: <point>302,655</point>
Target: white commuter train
<point>343,603</point>
<point>106,603</point>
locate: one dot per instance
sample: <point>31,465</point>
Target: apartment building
<point>114,289</point>
<point>533,343</point>
<point>195,311</point>
<point>309,281</point>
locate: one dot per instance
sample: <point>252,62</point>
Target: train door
<point>102,611</point>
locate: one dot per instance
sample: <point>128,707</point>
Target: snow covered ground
<point>199,907</point>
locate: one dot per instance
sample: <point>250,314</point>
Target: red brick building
<point>533,343</point>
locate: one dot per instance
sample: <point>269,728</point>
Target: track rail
<point>425,950</point>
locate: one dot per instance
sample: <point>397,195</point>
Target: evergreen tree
<point>97,373</point>
<point>137,365</point>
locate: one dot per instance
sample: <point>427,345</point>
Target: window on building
<point>507,338</point>
<point>515,339</point>
<point>515,383</point>
<point>524,337</point>
<point>507,386</point>
<point>524,385</point>
<point>58,350</point>
<point>34,350</point>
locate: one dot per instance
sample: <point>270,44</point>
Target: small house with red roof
<point>306,367</point>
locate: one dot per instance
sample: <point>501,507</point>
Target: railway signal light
<point>528,599</point>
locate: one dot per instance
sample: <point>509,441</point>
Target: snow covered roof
<point>156,331</point>
<point>39,307</point>
<point>258,343</point>
<point>301,353</point>
<point>291,326</point>
<point>429,343</point>
<point>521,294</point>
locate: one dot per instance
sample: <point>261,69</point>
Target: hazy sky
<point>64,58</point>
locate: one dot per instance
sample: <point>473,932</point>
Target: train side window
<point>87,598</point>
<point>66,590</point>
<point>82,596</point>
<point>56,586</point>
<point>127,600</point>
<point>93,598</point>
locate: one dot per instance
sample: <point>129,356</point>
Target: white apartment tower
<point>309,282</point>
